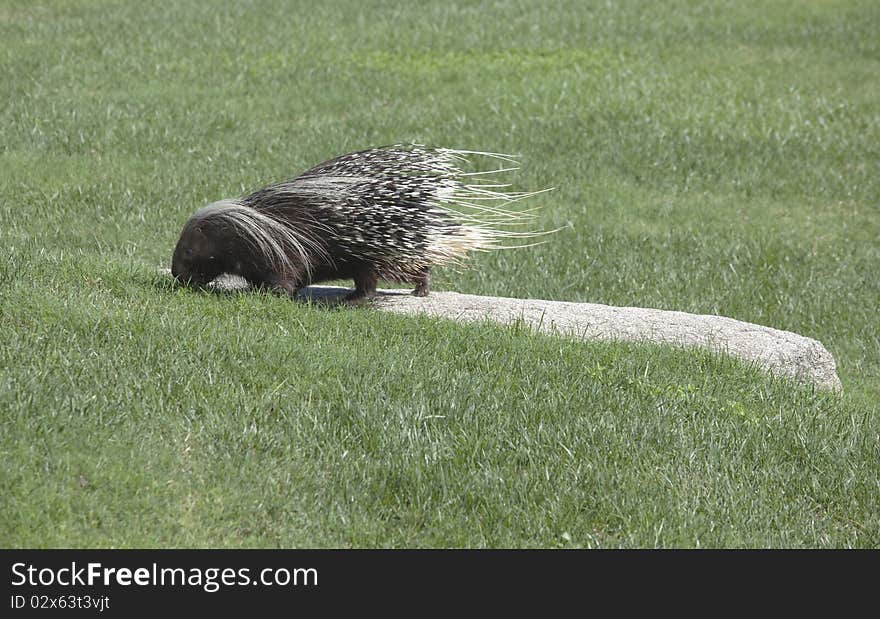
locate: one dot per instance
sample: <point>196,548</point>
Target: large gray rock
<point>780,352</point>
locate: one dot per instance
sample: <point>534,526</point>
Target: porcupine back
<point>402,209</point>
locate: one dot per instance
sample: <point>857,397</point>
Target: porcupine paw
<point>285,291</point>
<point>358,297</point>
<point>283,287</point>
<point>423,284</point>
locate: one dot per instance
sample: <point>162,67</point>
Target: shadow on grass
<point>233,285</point>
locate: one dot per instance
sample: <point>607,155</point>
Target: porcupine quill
<point>387,213</point>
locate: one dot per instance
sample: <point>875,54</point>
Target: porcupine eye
<point>208,268</point>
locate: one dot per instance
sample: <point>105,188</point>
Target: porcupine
<point>387,213</point>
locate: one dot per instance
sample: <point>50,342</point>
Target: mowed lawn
<point>710,157</point>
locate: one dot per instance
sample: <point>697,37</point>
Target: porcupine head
<point>215,241</point>
<point>229,237</point>
<point>201,253</point>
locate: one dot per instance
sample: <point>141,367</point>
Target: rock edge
<point>779,352</point>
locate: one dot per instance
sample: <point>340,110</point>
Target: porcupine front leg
<point>275,282</point>
<point>423,284</point>
<point>288,287</point>
<point>364,286</point>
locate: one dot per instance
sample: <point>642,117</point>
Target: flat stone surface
<point>779,352</point>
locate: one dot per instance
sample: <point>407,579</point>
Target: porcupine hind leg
<point>423,284</point>
<point>364,286</point>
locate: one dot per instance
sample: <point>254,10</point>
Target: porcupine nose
<point>180,274</point>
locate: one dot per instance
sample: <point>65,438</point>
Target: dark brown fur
<point>208,248</point>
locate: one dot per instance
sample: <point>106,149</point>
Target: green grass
<point>711,157</point>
